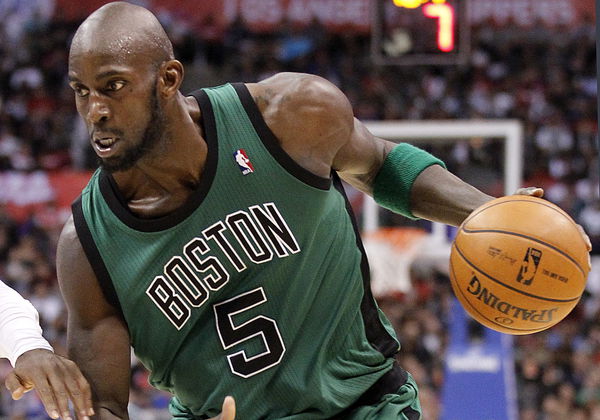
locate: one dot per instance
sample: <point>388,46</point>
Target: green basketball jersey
<point>257,287</point>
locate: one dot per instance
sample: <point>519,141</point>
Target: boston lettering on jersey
<point>189,278</point>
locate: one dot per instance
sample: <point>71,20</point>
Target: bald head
<point>123,30</point>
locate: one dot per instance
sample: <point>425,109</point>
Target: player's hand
<point>538,192</point>
<point>55,379</point>
<point>588,244</point>
<point>228,410</point>
<point>531,191</point>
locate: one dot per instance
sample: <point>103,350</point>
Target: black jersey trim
<point>93,255</point>
<point>271,142</point>
<point>376,333</point>
<point>118,204</point>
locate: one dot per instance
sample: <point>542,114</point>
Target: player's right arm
<point>97,337</point>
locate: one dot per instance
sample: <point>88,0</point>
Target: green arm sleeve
<point>393,183</point>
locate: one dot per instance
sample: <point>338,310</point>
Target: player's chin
<point>115,164</point>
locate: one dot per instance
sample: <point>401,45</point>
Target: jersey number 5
<point>259,326</point>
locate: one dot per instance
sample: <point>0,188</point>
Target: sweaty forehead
<point>120,47</point>
<point>122,34</point>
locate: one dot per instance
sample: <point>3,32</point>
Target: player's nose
<point>98,111</point>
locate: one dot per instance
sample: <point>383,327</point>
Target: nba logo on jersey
<point>241,158</point>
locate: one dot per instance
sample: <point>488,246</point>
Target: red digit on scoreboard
<point>444,13</point>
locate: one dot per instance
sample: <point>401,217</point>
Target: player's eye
<point>81,91</point>
<point>115,85</point>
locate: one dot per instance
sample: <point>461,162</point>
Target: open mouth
<point>105,142</point>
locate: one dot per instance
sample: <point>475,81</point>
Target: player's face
<point>118,101</point>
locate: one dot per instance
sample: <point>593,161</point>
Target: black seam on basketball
<point>541,203</point>
<point>514,289</point>
<point>530,238</point>
<point>466,300</point>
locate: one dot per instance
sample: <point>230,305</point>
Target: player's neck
<point>163,180</point>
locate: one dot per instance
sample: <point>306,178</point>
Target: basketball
<point>518,264</point>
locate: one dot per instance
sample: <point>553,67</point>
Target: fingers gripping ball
<point>518,264</point>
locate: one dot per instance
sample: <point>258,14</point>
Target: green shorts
<point>401,405</point>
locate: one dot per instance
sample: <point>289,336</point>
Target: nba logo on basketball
<point>243,162</point>
<point>529,266</point>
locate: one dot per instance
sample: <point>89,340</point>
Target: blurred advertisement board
<point>268,15</point>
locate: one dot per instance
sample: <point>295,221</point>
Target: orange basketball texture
<point>518,264</point>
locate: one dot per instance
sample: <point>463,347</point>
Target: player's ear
<point>170,78</point>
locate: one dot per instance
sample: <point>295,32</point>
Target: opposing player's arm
<point>315,124</point>
<point>97,338</point>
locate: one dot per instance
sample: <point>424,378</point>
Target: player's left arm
<point>314,123</point>
<point>316,126</point>
<point>434,194</point>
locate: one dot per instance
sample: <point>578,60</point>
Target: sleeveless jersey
<point>257,287</point>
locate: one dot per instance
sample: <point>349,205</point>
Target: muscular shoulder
<point>71,263</point>
<point>76,278</point>
<point>309,115</point>
<point>69,246</point>
<point>299,89</point>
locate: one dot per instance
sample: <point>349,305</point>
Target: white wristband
<point>20,330</point>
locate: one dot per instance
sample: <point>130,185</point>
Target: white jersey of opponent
<point>20,329</point>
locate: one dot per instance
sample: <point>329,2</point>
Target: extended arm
<point>435,194</point>
<point>315,124</point>
<point>97,338</point>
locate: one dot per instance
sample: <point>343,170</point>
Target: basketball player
<point>216,239</point>
<point>55,378</point>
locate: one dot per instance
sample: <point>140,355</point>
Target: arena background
<point>533,61</point>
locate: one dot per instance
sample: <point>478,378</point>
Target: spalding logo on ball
<point>519,264</point>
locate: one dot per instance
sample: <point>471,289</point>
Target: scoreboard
<point>420,32</point>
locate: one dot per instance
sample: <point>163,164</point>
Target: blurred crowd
<point>546,81</point>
